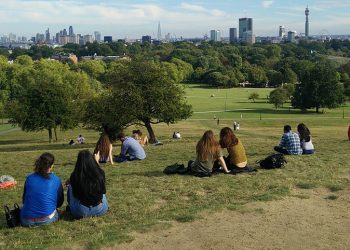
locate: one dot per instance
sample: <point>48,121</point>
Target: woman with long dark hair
<point>236,153</point>
<point>305,139</point>
<point>104,148</point>
<point>42,194</point>
<point>208,151</point>
<point>86,193</point>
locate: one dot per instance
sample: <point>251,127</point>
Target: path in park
<point>306,220</point>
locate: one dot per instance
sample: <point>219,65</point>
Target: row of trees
<point>46,95</point>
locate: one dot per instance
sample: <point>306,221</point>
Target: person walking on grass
<point>86,193</point>
<point>42,194</point>
<point>290,142</point>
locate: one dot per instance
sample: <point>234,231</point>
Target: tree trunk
<point>50,135</point>
<point>152,136</point>
<point>55,132</point>
<point>317,109</point>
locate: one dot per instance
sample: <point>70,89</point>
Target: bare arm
<point>110,156</point>
<point>223,164</point>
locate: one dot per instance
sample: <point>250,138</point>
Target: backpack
<point>175,169</point>
<point>12,216</point>
<point>273,161</point>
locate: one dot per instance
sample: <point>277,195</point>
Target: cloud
<point>268,3</point>
<point>192,7</point>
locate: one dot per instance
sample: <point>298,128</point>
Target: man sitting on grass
<point>131,149</point>
<point>290,143</point>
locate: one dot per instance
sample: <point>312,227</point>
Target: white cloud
<point>192,7</point>
<point>268,3</point>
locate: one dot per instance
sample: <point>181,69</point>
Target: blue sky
<point>122,18</point>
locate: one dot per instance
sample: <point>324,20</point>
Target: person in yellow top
<point>237,157</point>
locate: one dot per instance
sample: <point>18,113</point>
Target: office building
<point>97,35</point>
<point>233,35</point>
<point>291,36</point>
<point>47,36</point>
<point>159,34</point>
<point>245,25</point>
<point>145,39</point>
<point>88,39</point>
<point>107,39</point>
<point>215,35</point>
<point>307,22</point>
<point>71,33</point>
<point>282,32</point>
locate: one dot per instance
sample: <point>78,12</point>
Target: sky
<point>134,18</point>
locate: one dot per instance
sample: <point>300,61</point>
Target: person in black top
<point>86,193</point>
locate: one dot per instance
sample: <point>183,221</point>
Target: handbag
<point>12,216</point>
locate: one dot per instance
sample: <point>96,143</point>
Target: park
<point>149,210</point>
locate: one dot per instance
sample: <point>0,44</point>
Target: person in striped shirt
<point>290,142</point>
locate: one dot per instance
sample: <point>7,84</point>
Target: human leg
<point>281,150</point>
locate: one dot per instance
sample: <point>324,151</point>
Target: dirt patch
<point>315,222</point>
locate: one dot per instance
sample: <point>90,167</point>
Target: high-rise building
<point>145,39</point>
<point>245,25</point>
<point>64,32</point>
<point>233,35</point>
<point>307,22</point>
<point>159,34</point>
<point>97,35</point>
<point>215,35</point>
<point>291,36</point>
<point>71,33</point>
<point>107,39</point>
<point>47,36</point>
<point>282,32</point>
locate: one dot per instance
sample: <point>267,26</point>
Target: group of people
<point>86,187</point>
<point>296,143</point>
<point>80,140</point>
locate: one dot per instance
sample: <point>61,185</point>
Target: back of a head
<point>86,173</point>
<point>43,163</point>
<point>207,145</point>
<point>304,132</point>
<point>227,138</point>
<point>121,136</point>
<point>103,145</point>
<point>287,128</point>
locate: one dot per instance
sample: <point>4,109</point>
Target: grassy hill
<point>141,197</point>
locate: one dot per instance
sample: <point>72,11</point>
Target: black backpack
<point>273,161</point>
<point>175,169</point>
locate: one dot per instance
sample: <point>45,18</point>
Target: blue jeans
<point>37,222</point>
<point>308,151</point>
<point>79,211</point>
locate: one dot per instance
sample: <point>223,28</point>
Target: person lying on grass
<point>86,194</point>
<point>42,194</point>
<point>208,151</point>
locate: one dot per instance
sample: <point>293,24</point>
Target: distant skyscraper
<point>64,32</point>
<point>233,35</point>
<point>307,22</point>
<point>245,25</point>
<point>215,35</point>
<point>146,39</point>
<point>107,39</point>
<point>47,36</point>
<point>71,33</point>
<point>159,34</point>
<point>97,35</point>
<point>291,36</point>
<point>282,32</point>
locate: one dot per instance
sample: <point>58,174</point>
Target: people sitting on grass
<point>42,194</point>
<point>142,139</point>
<point>290,142</point>
<point>176,135</point>
<point>131,149</point>
<point>80,139</point>
<point>236,153</point>
<point>305,139</point>
<point>208,151</point>
<point>86,193</point>
<point>104,147</point>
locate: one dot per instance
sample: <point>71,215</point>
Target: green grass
<point>141,197</point>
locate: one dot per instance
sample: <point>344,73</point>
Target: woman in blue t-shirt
<point>86,193</point>
<point>43,193</point>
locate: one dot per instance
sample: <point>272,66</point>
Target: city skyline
<point>136,18</point>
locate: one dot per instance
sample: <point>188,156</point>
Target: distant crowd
<point>86,189</point>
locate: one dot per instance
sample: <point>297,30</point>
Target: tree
<point>50,97</point>
<point>320,88</point>
<point>278,97</point>
<point>141,92</point>
<point>253,96</point>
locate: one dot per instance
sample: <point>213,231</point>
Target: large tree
<point>143,93</point>
<point>49,96</point>
<point>319,88</point>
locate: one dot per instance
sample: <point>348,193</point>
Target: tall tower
<point>307,22</point>
<point>245,25</point>
<point>159,34</point>
<point>71,33</point>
